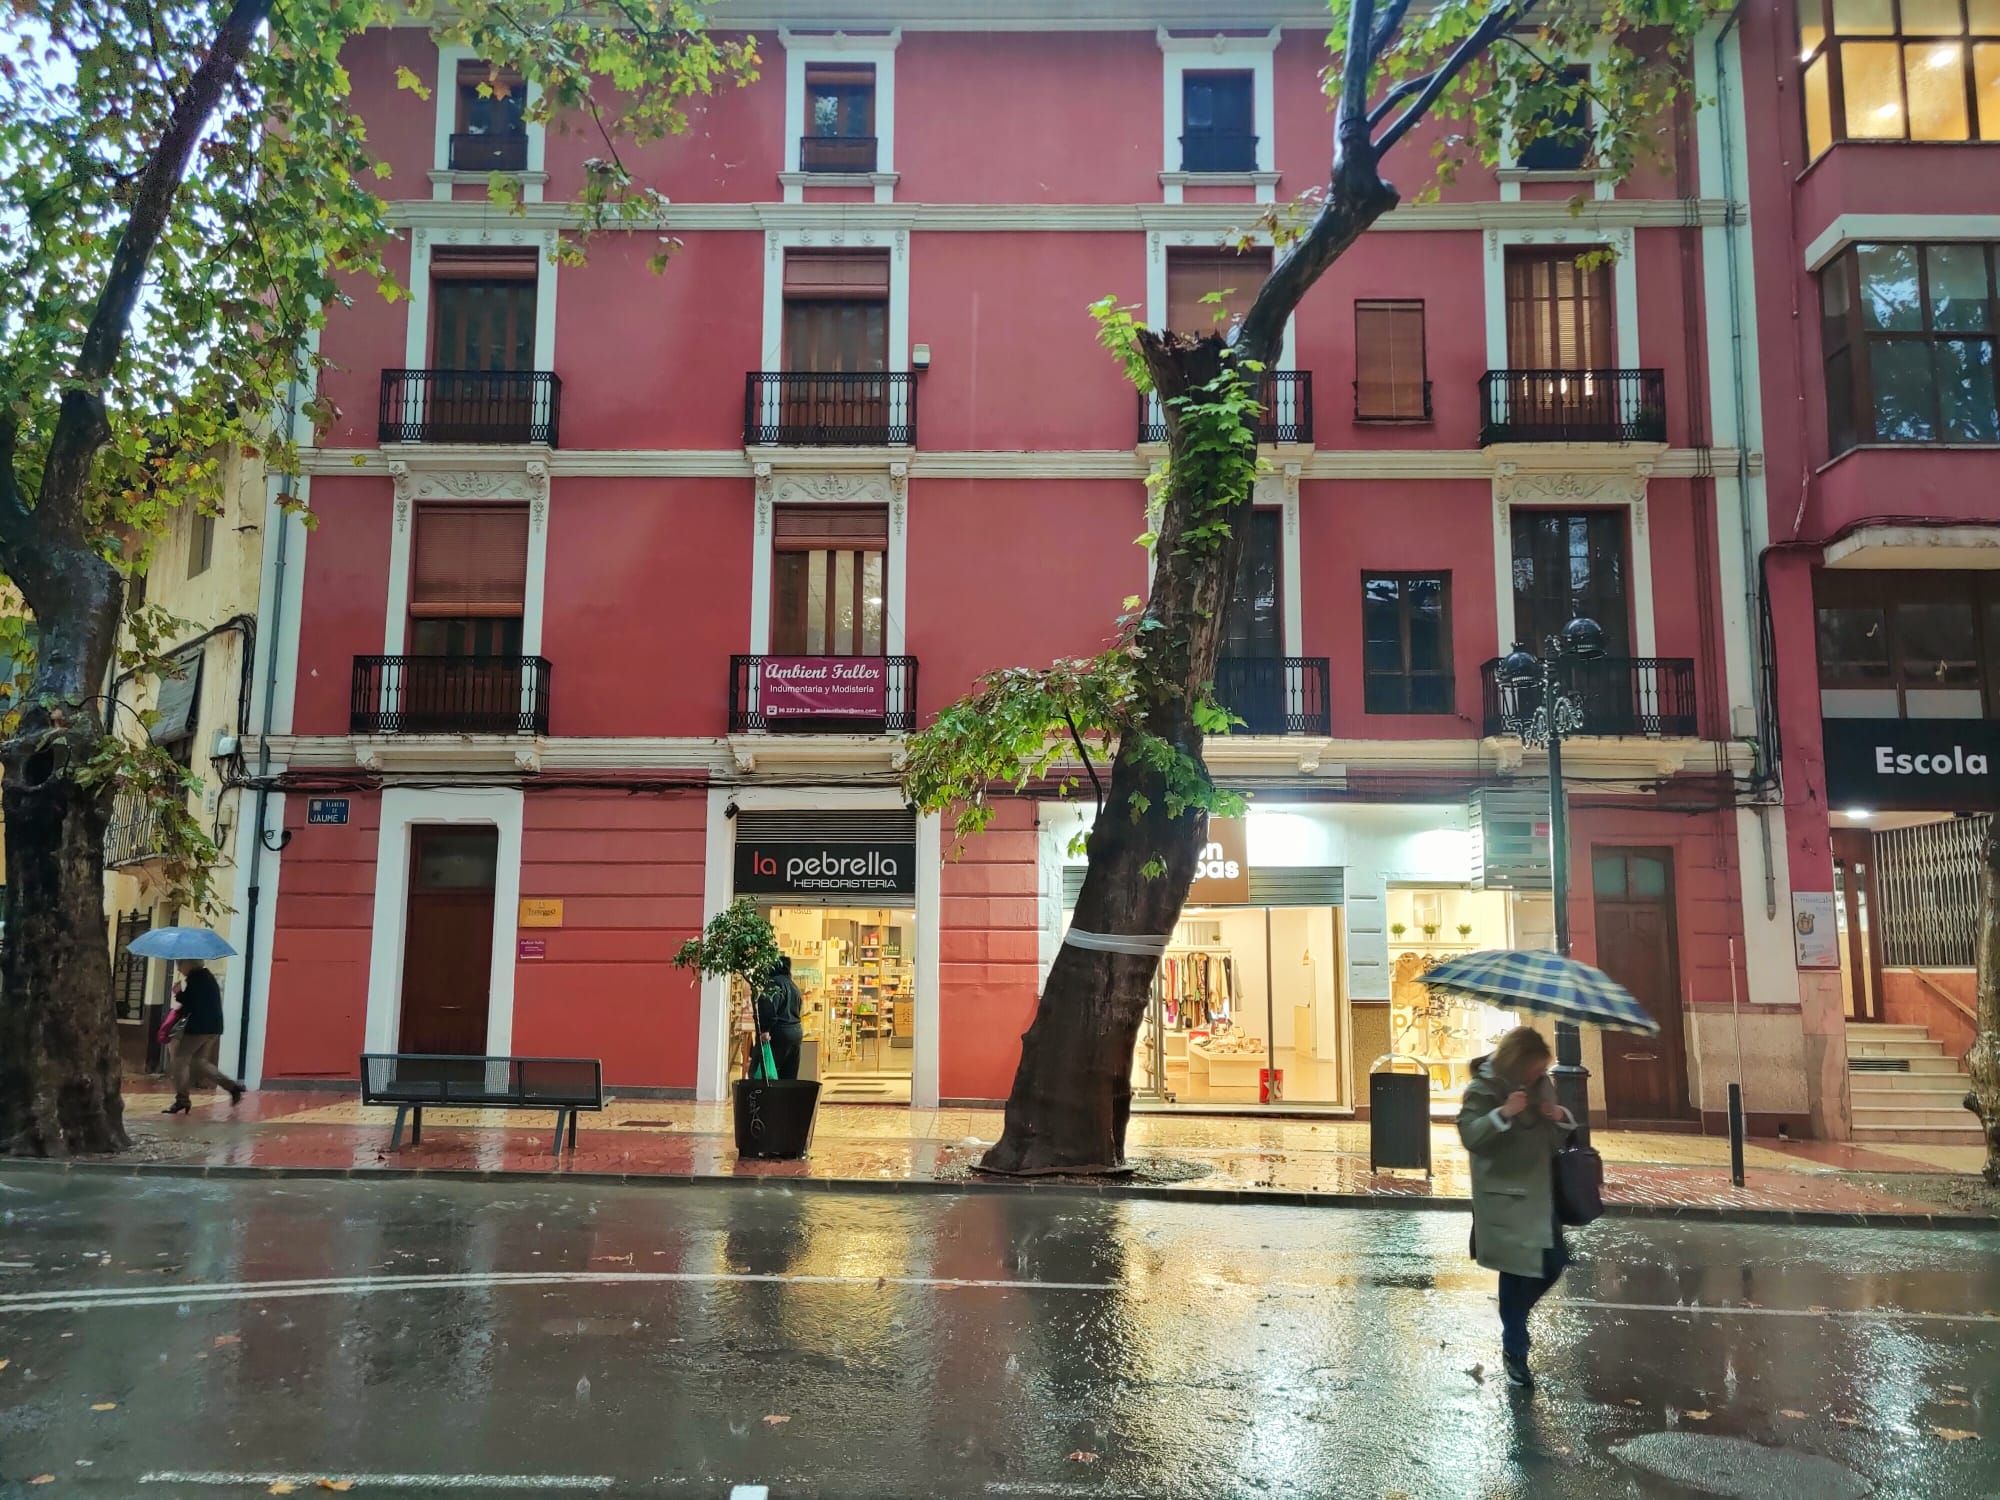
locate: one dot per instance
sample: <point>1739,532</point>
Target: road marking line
<point>226,1477</point>
<point>83,1299</point>
<point>1700,1309</point>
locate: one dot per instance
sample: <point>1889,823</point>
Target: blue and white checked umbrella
<point>1544,982</point>
<point>181,942</point>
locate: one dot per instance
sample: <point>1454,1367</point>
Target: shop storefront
<point>840,888</point>
<point>1297,961</point>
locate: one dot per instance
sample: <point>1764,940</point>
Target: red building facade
<point>624,587</point>
<point>1870,140</point>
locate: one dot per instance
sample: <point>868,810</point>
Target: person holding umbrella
<point>198,999</point>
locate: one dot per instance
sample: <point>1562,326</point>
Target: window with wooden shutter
<point>1195,274</point>
<point>829,580</point>
<point>1390,383</point>
<point>469,561</point>
<point>1559,314</point>
<point>483,310</point>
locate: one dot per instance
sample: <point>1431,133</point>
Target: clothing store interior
<point>854,968</point>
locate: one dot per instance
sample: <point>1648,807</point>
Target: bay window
<point>1899,70</point>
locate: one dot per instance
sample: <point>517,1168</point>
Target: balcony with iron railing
<point>449,695</point>
<point>811,409</point>
<point>1276,694</point>
<point>1649,697</point>
<point>1286,396</point>
<point>1572,406</point>
<point>837,153</point>
<point>133,836</point>
<point>822,694</point>
<point>1219,151</point>
<point>470,406</point>
<point>481,151</point>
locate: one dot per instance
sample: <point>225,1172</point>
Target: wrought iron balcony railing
<point>837,153</point>
<point>823,694</point>
<point>450,695</point>
<point>134,833</point>
<point>1275,694</point>
<point>1650,697</point>
<point>801,409</point>
<point>1287,398</point>
<point>470,406</point>
<point>481,152</point>
<point>1218,151</point>
<point>1573,406</point>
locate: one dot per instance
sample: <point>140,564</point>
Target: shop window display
<point>854,969</point>
<point>1427,926</point>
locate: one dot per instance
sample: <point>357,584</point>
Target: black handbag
<point>1579,1184</point>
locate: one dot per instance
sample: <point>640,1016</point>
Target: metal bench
<point>413,1081</point>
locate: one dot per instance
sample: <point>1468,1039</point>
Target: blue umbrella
<point>181,942</point>
<point>1544,982</point>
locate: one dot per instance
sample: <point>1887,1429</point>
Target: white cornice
<point>1080,218</point>
<point>1018,15</point>
<point>1115,463</point>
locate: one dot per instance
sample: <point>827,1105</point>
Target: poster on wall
<point>1815,935</point>
<point>823,687</point>
<point>1915,765</point>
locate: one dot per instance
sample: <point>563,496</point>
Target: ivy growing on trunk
<point>1475,76</point>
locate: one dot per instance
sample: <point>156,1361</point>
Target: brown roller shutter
<point>469,560</point>
<point>1194,274</point>
<point>1389,360</point>
<point>840,75</point>
<point>836,273</point>
<point>839,528</point>
<point>484,264</point>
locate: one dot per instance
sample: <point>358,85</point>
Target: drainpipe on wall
<point>1768,767</point>
<point>272,635</point>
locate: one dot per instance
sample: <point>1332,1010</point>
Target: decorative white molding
<point>878,48</point>
<point>1555,477</point>
<point>458,752</point>
<point>816,752</point>
<point>1255,55</point>
<point>891,238</point>
<point>795,183</point>
<point>1265,184</point>
<point>885,482</point>
<point>458,232</point>
<point>445,100</point>
<point>1576,235</point>
<point>1854,229</point>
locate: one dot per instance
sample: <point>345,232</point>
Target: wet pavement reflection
<point>166,1337</point>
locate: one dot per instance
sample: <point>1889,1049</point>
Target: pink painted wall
<point>318,1011</point>
<point>628,870</point>
<point>1015,573</point>
<point>359,343</point>
<point>648,595</point>
<point>988,955</point>
<point>1002,313</point>
<point>684,341</point>
<point>345,596</point>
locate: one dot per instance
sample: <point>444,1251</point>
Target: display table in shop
<point>1223,1076</point>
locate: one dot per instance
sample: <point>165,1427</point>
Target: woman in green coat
<point>1512,1127</point>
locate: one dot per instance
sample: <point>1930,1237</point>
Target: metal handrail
<point>450,695</point>
<point>830,409</point>
<point>470,406</point>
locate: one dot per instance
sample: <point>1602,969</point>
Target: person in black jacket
<point>778,1004</point>
<point>200,1039</point>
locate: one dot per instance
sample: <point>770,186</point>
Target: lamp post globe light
<point>1541,704</point>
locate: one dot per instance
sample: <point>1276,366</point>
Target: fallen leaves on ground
<point>1953,1401</point>
<point>282,1487</point>
<point>774,1420</point>
<point>43,1479</point>
<point>1846,1421</point>
<point>1633,1401</point>
<point>1478,1374</point>
<point>4,1364</point>
<point>222,1339</point>
<point>1083,1456</point>
<point>1953,1434</point>
<point>1696,1416</point>
<point>104,1406</point>
<point>1956,1390</point>
<point>1796,1416</point>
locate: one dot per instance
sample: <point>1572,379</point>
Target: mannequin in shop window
<point>778,1002</point>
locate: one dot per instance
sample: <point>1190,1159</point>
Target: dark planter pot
<point>774,1118</point>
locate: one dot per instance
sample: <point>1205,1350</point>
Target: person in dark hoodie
<point>778,1004</point>
<point>200,1039</point>
<point>1512,1128</point>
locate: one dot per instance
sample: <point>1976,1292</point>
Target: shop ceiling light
<point>1859,814</point>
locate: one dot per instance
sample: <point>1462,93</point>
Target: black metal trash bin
<point>774,1117</point>
<point>1399,1113</point>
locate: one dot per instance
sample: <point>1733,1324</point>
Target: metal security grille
<point>891,825</point>
<point>129,991</point>
<point>1297,885</point>
<point>1928,880</point>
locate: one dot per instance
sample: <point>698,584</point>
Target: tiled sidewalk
<point>1294,1160</point>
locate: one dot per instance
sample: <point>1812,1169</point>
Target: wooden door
<point>448,940</point>
<point>1645,1078</point>
<point>1860,935</point>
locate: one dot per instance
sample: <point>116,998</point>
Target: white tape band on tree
<point>1109,942</point>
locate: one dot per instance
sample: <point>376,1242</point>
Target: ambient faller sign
<point>822,687</point>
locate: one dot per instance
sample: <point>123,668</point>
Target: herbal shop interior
<point>854,969</point>
<point>1298,960</point>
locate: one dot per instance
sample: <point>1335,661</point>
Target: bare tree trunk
<point>1983,1061</point>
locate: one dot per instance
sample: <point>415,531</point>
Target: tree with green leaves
<point>185,192</point>
<point>1477,75</point>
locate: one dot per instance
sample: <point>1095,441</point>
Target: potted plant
<point>1397,929</point>
<point>1430,932</point>
<point>1465,932</point>
<point>774,1117</point>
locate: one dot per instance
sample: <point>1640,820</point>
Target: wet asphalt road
<point>171,1337</point>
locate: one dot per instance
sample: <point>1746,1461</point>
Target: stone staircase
<point>1905,1088</point>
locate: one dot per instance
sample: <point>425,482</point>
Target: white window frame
<point>1512,174</point>
<point>417,330</point>
<point>879,49</point>
<point>1624,285</point>
<point>1545,488</point>
<point>402,809</point>
<point>1181,55</point>
<point>778,241</point>
<point>888,487</point>
<point>445,95</point>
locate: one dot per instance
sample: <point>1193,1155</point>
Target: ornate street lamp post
<point>1540,702</point>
